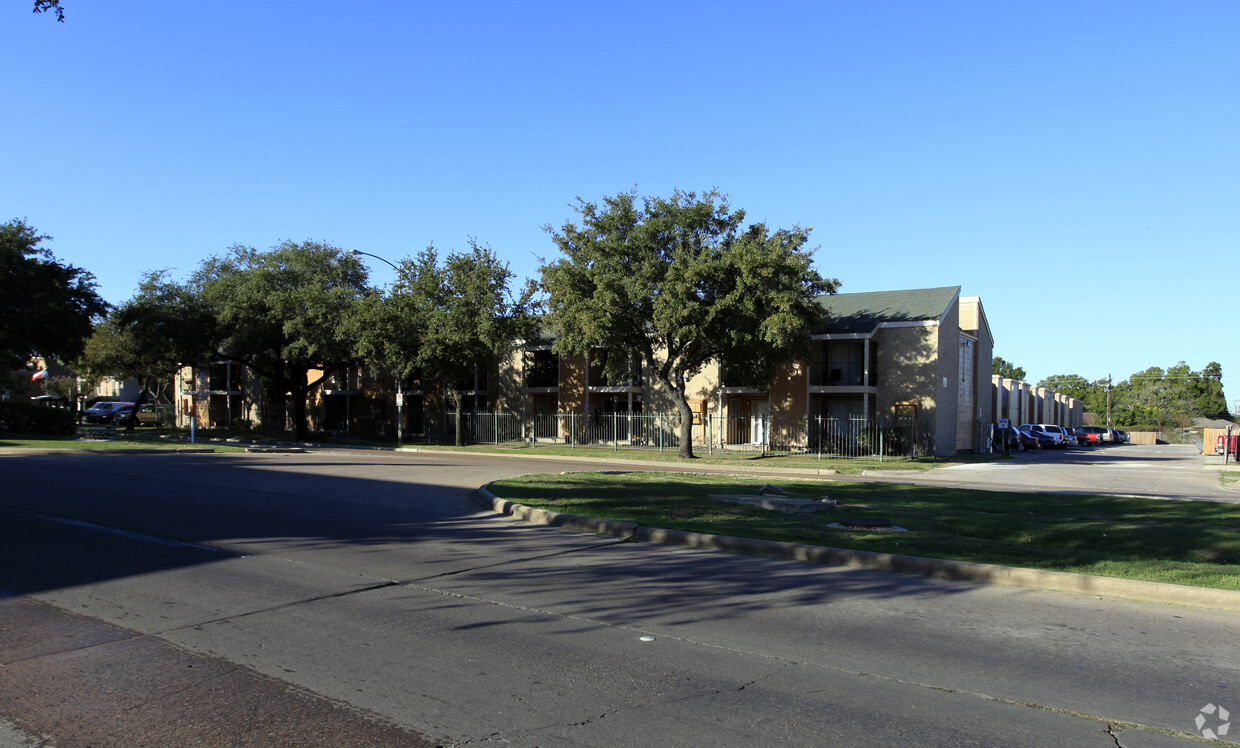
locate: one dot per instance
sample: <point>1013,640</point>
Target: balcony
<point>841,374</point>
<point>479,382</point>
<point>541,371</point>
<point>598,382</point>
<point>738,379</point>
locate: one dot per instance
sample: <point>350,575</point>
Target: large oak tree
<point>284,313</point>
<point>677,283</point>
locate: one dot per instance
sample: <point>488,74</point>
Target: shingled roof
<point>863,312</point>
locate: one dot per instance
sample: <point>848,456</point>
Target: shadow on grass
<point>1196,543</point>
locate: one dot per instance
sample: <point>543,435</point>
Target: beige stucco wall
<point>704,386</point>
<point>946,422</point>
<point>1078,412</point>
<point>508,384</point>
<point>790,390</point>
<point>973,319</point>
<point>967,398</point>
<point>572,384</point>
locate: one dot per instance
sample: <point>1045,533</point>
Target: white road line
<point>130,534</point>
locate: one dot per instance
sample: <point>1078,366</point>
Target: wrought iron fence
<point>487,428</point>
<point>817,436</point>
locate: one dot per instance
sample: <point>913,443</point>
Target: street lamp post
<point>400,392</point>
<point>377,257</point>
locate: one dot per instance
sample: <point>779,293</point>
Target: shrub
<point>29,418</point>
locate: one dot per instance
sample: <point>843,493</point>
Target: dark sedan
<point>1024,439</point>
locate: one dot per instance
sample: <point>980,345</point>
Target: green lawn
<point>842,466</point>
<point>1181,542</point>
<point>121,441</point>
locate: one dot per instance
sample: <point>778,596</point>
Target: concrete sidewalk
<point>65,674</point>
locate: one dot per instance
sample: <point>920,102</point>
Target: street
<point>368,589</point>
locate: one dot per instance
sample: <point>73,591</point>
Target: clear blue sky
<point>1075,164</point>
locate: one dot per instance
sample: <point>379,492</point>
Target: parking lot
<point>1170,471</point>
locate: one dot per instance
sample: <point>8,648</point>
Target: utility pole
<point>1108,401</point>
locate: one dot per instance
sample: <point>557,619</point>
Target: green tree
<point>47,308</point>
<point>150,337</point>
<point>284,313</point>
<point>1006,369</point>
<point>447,320</point>
<point>1154,397</point>
<point>52,6</point>
<point>674,283</point>
<point>1207,392</point>
<point>1096,398</point>
<point>1072,385</point>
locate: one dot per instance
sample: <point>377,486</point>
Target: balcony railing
<point>841,374</point>
<point>541,378</point>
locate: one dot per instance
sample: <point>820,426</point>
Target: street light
<point>377,257</point>
<point>400,392</point>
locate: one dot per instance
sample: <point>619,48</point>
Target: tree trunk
<point>460,441</point>
<point>132,420</point>
<point>677,385</point>
<point>299,390</point>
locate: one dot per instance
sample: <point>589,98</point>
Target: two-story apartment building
<point>913,357</point>
<point>917,358</point>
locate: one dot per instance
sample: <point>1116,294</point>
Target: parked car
<point>1055,432</point>
<point>104,412</point>
<point>147,415</point>
<point>1024,438</point>
<point>51,401</point>
<point>1082,437</point>
<point>1122,436</point>
<point>1103,434</point>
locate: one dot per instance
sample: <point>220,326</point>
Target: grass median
<point>1180,542</point>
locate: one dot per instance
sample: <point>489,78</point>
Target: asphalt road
<point>361,599</point>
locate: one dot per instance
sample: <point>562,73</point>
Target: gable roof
<point>863,312</point>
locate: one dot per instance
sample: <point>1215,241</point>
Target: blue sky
<point>1077,165</point>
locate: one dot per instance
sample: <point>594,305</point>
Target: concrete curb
<point>961,571</point>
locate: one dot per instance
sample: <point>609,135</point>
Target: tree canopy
<point>1153,397</point>
<point>1072,385</point>
<point>1006,369</point>
<point>47,308</point>
<point>284,313</point>
<point>148,338</point>
<point>676,283</point>
<point>448,320</point>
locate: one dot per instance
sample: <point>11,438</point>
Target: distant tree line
<point>1154,398</point>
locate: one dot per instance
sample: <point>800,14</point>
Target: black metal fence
<point>817,436</point>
